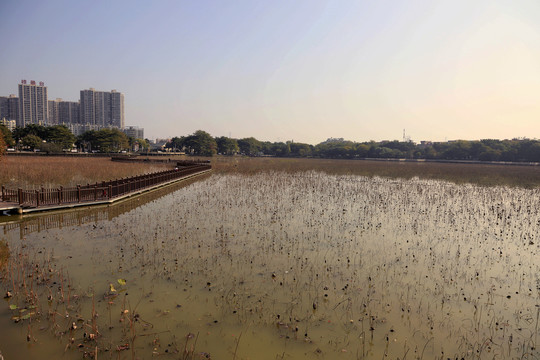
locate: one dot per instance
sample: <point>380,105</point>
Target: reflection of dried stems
<point>237,343</point>
<point>4,254</point>
<point>188,354</point>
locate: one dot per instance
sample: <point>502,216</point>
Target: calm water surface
<point>280,266</point>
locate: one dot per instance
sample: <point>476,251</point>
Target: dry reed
<point>36,171</point>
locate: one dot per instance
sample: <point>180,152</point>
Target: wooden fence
<point>103,191</point>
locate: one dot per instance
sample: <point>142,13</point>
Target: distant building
<point>102,108</point>
<point>424,144</point>
<point>13,102</point>
<point>94,111</point>
<point>333,140</point>
<point>68,112</point>
<point>9,107</point>
<point>32,104</point>
<point>52,111</point>
<point>4,107</point>
<point>79,129</point>
<point>10,124</point>
<point>117,110</point>
<point>63,112</point>
<point>159,144</point>
<point>134,132</point>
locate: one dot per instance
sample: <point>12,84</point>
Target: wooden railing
<point>103,191</point>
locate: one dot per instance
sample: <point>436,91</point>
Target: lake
<point>277,265</point>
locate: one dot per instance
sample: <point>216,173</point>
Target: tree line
<point>58,137</point>
<point>202,143</point>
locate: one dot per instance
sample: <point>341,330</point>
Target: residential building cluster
<point>95,110</point>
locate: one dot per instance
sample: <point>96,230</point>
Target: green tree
<point>6,136</point>
<point>143,144</point>
<point>61,136</point>
<point>299,149</point>
<point>111,140</point>
<point>201,143</point>
<point>31,129</point>
<point>85,140</point>
<point>104,140</point>
<point>176,143</point>
<point>279,149</point>
<point>362,150</point>
<point>31,141</point>
<point>249,146</point>
<point>227,146</point>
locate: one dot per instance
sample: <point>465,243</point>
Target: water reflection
<point>38,222</point>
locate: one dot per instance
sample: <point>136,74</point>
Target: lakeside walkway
<point>23,201</point>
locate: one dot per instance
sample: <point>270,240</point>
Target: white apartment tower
<point>32,104</point>
<point>102,108</point>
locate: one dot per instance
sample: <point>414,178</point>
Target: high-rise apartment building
<point>117,109</point>
<point>102,108</point>
<point>63,112</point>
<point>13,103</point>
<point>32,103</point>
<point>53,111</point>
<point>9,107</point>
<point>95,110</point>
<point>4,107</point>
<point>68,112</point>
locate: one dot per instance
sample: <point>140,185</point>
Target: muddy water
<point>281,266</point>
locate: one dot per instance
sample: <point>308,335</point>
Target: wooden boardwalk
<point>22,201</point>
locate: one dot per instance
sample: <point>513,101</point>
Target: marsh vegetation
<point>35,171</point>
<point>277,265</point>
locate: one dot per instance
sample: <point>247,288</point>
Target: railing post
<point>110,191</point>
<point>20,196</point>
<point>79,193</point>
<point>37,198</point>
<point>59,195</point>
<point>3,189</point>
<point>95,192</point>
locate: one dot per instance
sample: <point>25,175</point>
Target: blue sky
<point>290,70</point>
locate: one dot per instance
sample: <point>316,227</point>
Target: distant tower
<point>405,137</point>
<point>32,103</point>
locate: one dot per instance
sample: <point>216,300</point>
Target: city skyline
<point>302,71</point>
<point>94,110</point>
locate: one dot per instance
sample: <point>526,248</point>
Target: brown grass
<point>480,174</point>
<point>35,171</point>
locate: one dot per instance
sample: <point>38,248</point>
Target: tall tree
<point>104,140</point>
<point>6,135</point>
<point>249,146</point>
<point>61,136</point>
<point>227,146</point>
<point>31,141</point>
<point>176,143</point>
<point>201,143</point>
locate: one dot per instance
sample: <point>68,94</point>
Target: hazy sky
<point>301,70</point>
